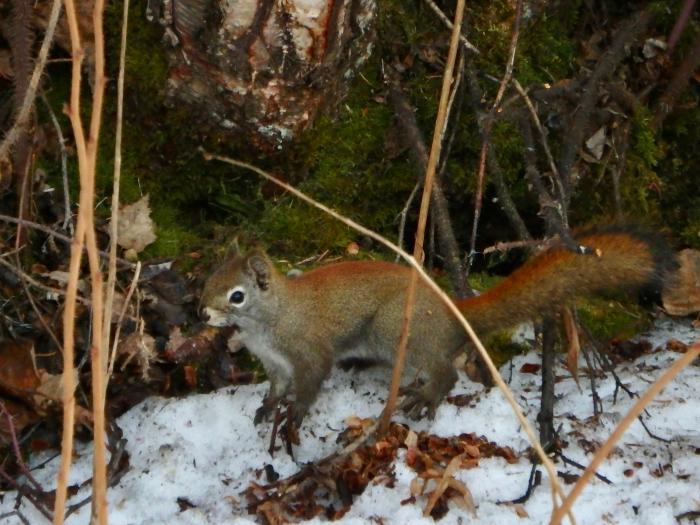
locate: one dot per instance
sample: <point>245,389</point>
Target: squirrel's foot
<point>266,409</point>
<point>416,404</point>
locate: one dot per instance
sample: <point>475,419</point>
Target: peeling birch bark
<point>263,68</point>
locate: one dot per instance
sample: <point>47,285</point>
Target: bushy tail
<point>628,260</point>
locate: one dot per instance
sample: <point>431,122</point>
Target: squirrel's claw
<point>415,404</point>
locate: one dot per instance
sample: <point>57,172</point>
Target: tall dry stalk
<point>418,252</point>
<point>86,148</point>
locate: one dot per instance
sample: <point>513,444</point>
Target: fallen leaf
<point>50,390</point>
<point>191,376</point>
<point>21,416</point>
<point>596,143</point>
<point>135,229</point>
<point>62,279</point>
<point>141,346</point>
<point>520,511</point>
<point>530,368</point>
<point>17,371</point>
<point>652,47</point>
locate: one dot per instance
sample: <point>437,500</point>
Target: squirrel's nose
<point>203,315</point>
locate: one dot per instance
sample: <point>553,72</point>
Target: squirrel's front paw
<point>416,404</point>
<point>266,409</point>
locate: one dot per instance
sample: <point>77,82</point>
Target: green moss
<point>607,319</point>
<point>501,347</point>
<point>640,185</point>
<point>547,48</point>
<point>343,163</point>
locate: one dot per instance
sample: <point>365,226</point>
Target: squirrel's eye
<point>237,297</point>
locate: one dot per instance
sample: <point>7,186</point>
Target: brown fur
<point>300,327</point>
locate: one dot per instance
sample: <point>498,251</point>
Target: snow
<point>206,450</point>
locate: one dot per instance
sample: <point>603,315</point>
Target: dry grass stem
<point>117,331</point>
<point>468,45</point>
<point>629,418</point>
<point>84,233</point>
<point>498,380</point>
<point>114,220</point>
<point>418,252</point>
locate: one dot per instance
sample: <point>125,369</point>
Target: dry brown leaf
<point>443,484</point>
<point>465,499</point>
<point>135,229</point>
<point>21,416</point>
<point>141,346</point>
<point>180,348</point>
<point>530,368</point>
<point>520,511</point>
<point>681,296</point>
<point>17,370</point>
<point>416,487</point>
<point>50,389</point>
<point>472,451</point>
<point>62,279</point>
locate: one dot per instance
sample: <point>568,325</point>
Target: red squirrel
<point>299,327</point>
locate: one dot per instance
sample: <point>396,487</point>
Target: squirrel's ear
<point>233,249</point>
<point>259,267</point>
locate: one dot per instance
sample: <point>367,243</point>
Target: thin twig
<point>412,136</point>
<point>117,331</point>
<point>86,148</point>
<point>498,380</point>
<point>678,83</point>
<point>28,102</point>
<point>622,427</point>
<point>35,307</point>
<point>404,214</point>
<point>98,350</point>
<point>53,233</point>
<point>67,215</point>
<point>15,448</point>
<point>532,243</point>
<point>679,26</point>
<point>48,289</point>
<point>628,32</point>
<point>114,230</point>
<point>543,136</point>
<point>488,124</point>
<point>468,45</point>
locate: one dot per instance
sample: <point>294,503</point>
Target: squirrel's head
<point>240,290</point>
